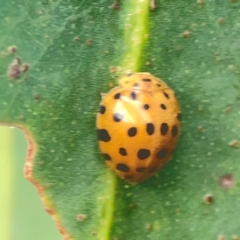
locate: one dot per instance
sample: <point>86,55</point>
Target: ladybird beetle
<point>138,125</point>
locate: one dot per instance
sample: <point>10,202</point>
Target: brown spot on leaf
<point>221,20</point>
<point>132,206</point>
<point>221,237</point>
<point>49,211</point>
<point>76,39</point>
<point>36,96</point>
<point>228,109</point>
<point>14,71</point>
<point>153,5</point>
<point>113,69</point>
<point>81,217</point>
<point>208,198</point>
<point>186,33</point>
<point>115,5</point>
<point>24,67</point>
<point>16,68</point>
<point>41,11</point>
<point>12,49</point>
<point>149,226</point>
<point>89,42</point>
<point>226,181</point>
<point>234,143</point>
<point>200,2</point>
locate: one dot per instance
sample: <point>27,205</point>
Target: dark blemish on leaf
<point>76,39</point>
<point>221,237</point>
<point>152,5</point>
<point>115,6</point>
<point>24,67</point>
<point>49,211</point>
<point>14,69</point>
<point>149,226</point>
<point>133,205</point>
<point>228,109</point>
<point>226,181</point>
<point>208,198</point>
<point>36,97</point>
<point>186,33</point>
<point>81,217</point>
<point>113,69</point>
<point>221,20</point>
<point>234,143</point>
<point>12,49</point>
<point>200,2</point>
<point>89,43</point>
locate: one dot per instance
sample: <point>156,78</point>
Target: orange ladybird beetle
<point>138,126</point>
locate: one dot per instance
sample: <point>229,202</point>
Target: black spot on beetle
<point>163,106</point>
<point>122,167</point>
<point>153,169</point>
<point>164,128</point>
<point>123,151</point>
<point>106,156</point>
<point>103,135</point>
<point>143,154</point>
<point>179,116</point>
<point>128,177</point>
<point>132,131</point>
<point>117,96</point>
<point>141,169</point>
<point>117,117</point>
<point>174,131</point>
<point>150,128</point>
<point>146,106</point>
<point>146,79</point>
<point>133,95</point>
<point>162,153</point>
<point>102,109</point>
<point>166,95</point>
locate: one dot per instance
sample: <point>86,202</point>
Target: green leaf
<point>73,49</point>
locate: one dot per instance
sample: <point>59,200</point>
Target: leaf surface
<point>73,49</point>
